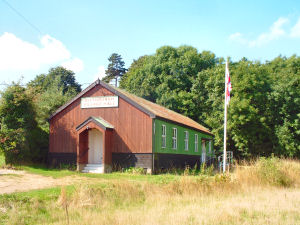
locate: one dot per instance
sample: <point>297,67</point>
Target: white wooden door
<point>95,147</point>
<point>203,155</point>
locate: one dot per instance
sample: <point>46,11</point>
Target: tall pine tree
<point>115,68</point>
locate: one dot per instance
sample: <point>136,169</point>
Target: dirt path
<point>18,181</point>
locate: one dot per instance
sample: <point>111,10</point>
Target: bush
<point>204,170</point>
<point>13,145</point>
<point>270,171</point>
<point>135,170</point>
<point>21,140</point>
<point>2,160</point>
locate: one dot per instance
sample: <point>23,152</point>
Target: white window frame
<point>196,142</point>
<point>174,138</point>
<point>164,137</point>
<point>186,140</point>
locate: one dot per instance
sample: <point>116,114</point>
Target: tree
<point>250,123</point>
<point>167,77</point>
<point>24,114</point>
<point>264,111</point>
<point>66,80</point>
<point>21,140</point>
<point>115,68</point>
<point>285,105</point>
<point>50,91</point>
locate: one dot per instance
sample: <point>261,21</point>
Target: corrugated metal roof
<point>163,112</point>
<point>103,122</point>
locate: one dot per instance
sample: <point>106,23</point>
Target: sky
<point>80,35</point>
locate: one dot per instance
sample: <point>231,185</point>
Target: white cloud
<point>101,73</point>
<point>76,65</point>
<point>275,32</point>
<point>295,31</point>
<point>238,37</point>
<point>19,55</point>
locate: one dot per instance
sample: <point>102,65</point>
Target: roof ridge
<point>142,104</point>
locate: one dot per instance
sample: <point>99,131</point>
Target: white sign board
<point>100,102</point>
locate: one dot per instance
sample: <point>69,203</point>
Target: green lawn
<point>33,207</point>
<point>56,173</point>
<point>44,171</point>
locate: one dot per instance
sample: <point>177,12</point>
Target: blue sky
<point>81,35</point>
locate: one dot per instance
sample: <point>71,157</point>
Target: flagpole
<point>225,120</point>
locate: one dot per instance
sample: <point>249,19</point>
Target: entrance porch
<point>94,146</point>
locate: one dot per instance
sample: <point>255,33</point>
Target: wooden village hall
<point>105,127</point>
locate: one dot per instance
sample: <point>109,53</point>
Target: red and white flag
<point>227,99</point>
<point>228,85</point>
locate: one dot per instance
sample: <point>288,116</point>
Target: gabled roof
<point>150,108</point>
<point>97,120</point>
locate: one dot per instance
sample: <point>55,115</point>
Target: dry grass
<point>150,204</point>
<point>266,172</point>
<point>252,194</point>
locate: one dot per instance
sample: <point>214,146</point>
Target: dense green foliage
<point>24,114</point>
<point>50,91</point>
<point>20,137</point>
<point>115,68</point>
<point>264,112</point>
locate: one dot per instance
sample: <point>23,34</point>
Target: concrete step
<point>92,171</point>
<point>93,168</point>
<point>93,165</point>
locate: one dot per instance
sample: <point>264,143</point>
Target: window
<point>174,138</point>
<point>209,147</point>
<point>186,140</point>
<point>196,142</point>
<point>163,136</point>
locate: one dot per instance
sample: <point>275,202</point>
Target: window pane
<point>186,140</point>
<point>163,142</point>
<point>174,138</point>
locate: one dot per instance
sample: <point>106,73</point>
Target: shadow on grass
<point>60,173</point>
<point>44,171</point>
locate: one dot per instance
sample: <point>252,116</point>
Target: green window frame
<point>196,142</point>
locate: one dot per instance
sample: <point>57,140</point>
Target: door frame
<point>99,147</point>
<point>83,143</point>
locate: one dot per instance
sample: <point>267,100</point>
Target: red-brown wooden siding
<point>132,127</point>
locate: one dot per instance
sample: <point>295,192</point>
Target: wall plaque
<point>100,102</point>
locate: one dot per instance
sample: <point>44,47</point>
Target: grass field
<point>264,192</point>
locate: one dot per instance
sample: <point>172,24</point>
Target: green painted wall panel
<point>180,139</point>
